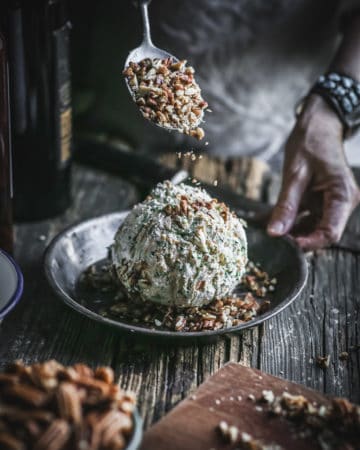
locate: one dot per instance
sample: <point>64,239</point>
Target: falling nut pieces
<point>51,407</point>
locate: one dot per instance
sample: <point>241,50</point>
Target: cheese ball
<point>180,247</point>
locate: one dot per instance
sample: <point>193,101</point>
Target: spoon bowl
<point>147,50</point>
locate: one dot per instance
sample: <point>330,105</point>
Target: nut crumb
<point>245,437</point>
<point>230,434</point>
<point>267,396</point>
<point>323,361</point>
<point>344,356</point>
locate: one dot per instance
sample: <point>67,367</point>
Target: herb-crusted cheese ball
<point>180,247</point>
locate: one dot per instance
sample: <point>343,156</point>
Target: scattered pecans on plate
<point>167,94</point>
<point>51,407</point>
<point>253,300</point>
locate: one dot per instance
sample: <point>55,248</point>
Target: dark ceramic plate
<point>79,246</point>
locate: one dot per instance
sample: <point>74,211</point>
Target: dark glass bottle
<point>37,32</point>
<point>6,232</point>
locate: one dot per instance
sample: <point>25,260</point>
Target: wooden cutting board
<point>225,396</point>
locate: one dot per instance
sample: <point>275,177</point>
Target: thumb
<point>286,209</point>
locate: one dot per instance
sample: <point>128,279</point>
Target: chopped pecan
<point>45,375</point>
<point>184,206</point>
<point>14,414</point>
<point>105,374</point>
<point>118,423</point>
<point>8,378</point>
<point>323,361</point>
<point>83,370</point>
<point>33,428</point>
<point>93,385</point>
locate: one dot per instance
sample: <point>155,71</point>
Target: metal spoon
<point>147,49</point>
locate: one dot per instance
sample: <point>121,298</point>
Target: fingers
<point>337,210</point>
<point>285,211</point>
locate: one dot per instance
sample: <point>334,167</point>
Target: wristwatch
<point>342,93</point>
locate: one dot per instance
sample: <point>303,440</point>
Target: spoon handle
<point>143,4</point>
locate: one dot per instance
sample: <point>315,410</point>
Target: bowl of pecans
<point>11,284</point>
<point>48,406</point>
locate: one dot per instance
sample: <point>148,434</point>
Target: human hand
<point>316,179</point>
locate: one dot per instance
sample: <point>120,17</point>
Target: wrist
<point>317,112</point>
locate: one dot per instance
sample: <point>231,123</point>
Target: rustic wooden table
<point>323,320</point>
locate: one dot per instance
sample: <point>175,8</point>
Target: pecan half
<point>69,403</point>
<point>9,442</point>
<point>26,394</point>
<point>55,436</point>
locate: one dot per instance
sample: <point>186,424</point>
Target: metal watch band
<point>342,93</point>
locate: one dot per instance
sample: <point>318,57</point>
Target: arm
<point>347,58</point>
<point>316,176</point>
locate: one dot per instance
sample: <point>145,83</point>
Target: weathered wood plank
<point>324,320</point>
<point>41,327</point>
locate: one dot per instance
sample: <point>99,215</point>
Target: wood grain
<point>225,396</point>
<point>324,319</point>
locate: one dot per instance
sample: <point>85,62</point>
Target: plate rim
<point>16,296</point>
<point>137,435</point>
<point>122,326</point>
